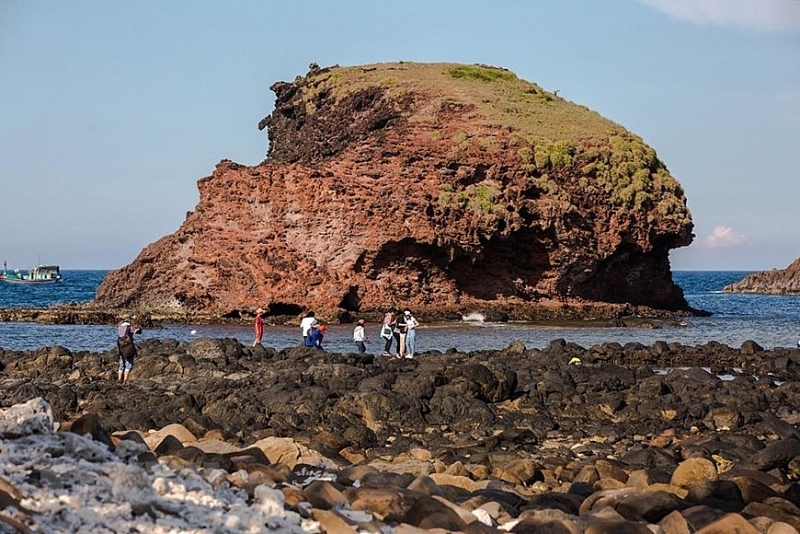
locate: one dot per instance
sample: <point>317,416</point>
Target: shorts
<point>125,364</point>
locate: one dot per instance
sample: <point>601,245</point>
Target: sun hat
<point>407,312</point>
<point>260,310</point>
<point>361,321</point>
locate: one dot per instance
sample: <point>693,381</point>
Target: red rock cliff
<point>440,187</point>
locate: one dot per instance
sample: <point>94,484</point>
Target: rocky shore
<point>775,281</point>
<point>88,313</point>
<point>551,313</point>
<point>213,436</point>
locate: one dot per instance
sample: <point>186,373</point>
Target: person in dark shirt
<point>400,329</point>
<point>126,348</point>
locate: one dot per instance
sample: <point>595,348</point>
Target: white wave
<point>473,317</point>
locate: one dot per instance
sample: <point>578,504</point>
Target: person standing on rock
<point>314,335</point>
<point>258,326</point>
<point>306,324</point>
<point>400,330</point>
<point>360,336</point>
<point>411,334</point>
<point>311,339</point>
<point>387,332</point>
<point>321,335</point>
<point>126,348</point>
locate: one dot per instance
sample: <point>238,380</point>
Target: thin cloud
<point>722,237</point>
<point>757,14</point>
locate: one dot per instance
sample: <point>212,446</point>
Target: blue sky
<point>111,111</point>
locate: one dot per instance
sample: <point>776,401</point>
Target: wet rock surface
<point>578,315</point>
<point>90,313</point>
<point>624,439</point>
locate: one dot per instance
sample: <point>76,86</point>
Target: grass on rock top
<point>548,132</point>
<point>499,96</point>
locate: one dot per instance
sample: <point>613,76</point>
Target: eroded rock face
<point>776,281</point>
<point>439,187</point>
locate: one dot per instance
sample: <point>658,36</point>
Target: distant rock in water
<point>441,187</point>
<point>776,281</point>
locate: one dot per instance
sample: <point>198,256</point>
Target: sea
<point>769,320</point>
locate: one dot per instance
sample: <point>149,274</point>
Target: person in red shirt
<point>258,326</point>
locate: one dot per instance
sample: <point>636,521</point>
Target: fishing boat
<point>41,274</point>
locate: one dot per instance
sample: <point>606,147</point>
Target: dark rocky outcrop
<point>609,438</point>
<point>218,383</point>
<point>776,281</point>
<point>513,395</point>
<point>448,188</point>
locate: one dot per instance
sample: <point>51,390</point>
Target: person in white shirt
<point>360,336</point>
<point>411,334</point>
<point>306,323</point>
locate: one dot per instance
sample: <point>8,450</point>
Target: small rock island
<point>446,188</point>
<point>775,281</point>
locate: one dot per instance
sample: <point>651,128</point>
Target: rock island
<point>446,188</point>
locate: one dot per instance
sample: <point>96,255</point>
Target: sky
<point>111,111</point>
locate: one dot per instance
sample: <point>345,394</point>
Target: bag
<point>126,346</point>
<point>386,331</point>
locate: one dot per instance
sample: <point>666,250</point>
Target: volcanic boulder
<point>442,187</point>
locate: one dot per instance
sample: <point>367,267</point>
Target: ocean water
<point>770,320</point>
<point>77,286</point>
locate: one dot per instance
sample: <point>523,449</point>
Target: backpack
<point>125,345</point>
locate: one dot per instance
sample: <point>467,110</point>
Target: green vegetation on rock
<point>478,198</point>
<point>481,72</point>
<point>498,96</point>
<point>553,139</point>
<point>629,171</point>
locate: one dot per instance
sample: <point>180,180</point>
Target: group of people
<point>399,329</point>
<point>313,331</point>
